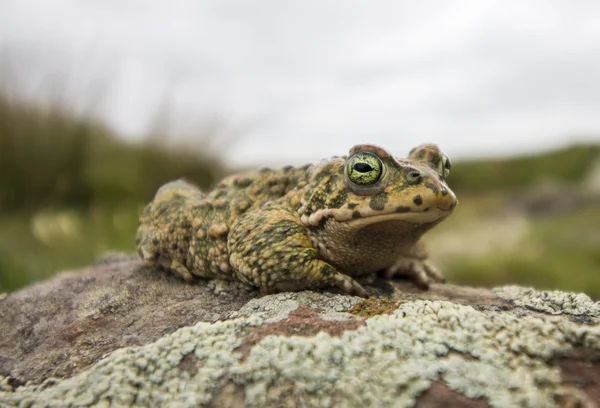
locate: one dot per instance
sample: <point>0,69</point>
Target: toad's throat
<point>412,217</point>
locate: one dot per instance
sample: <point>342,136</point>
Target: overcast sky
<point>297,81</point>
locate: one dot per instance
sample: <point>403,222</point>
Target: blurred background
<point>101,102</point>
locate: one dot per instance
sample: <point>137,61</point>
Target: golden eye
<point>444,166</point>
<point>364,168</point>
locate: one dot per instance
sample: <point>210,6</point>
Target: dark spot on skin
<point>322,223</point>
<point>323,173</point>
<point>186,224</point>
<point>356,214</point>
<point>339,200</point>
<point>352,205</point>
<point>378,201</point>
<point>137,241</point>
<point>163,208</point>
<point>327,270</point>
<point>432,187</point>
<point>426,209</point>
<point>311,254</point>
<point>319,227</point>
<point>155,241</point>
<point>317,200</point>
<point>280,230</point>
<point>402,209</point>
<point>174,245</point>
<point>417,200</point>
<point>242,182</point>
<point>334,179</point>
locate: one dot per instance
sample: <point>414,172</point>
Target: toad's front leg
<point>270,248</point>
<point>414,266</point>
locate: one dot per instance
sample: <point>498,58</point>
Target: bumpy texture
<point>474,358</point>
<point>302,228</point>
<point>552,302</point>
<point>120,334</point>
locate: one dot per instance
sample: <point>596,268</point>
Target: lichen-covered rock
<point>219,345</point>
<point>552,302</point>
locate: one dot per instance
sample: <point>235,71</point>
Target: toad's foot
<point>322,275</point>
<point>164,262</point>
<point>419,271</point>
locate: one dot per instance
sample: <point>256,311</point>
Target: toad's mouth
<point>413,217</point>
<point>367,216</point>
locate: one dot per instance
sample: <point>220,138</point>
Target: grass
<point>35,247</point>
<point>561,251</point>
<point>506,175</point>
<point>70,189</point>
<point>51,158</point>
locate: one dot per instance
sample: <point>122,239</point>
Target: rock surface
<point>122,334</point>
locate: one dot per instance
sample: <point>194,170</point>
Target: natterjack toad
<point>308,227</point>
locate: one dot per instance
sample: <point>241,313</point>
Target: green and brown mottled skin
<point>303,228</point>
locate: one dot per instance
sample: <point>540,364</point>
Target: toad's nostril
<point>444,191</point>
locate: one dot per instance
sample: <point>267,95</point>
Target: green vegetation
<point>33,247</point>
<point>561,251</point>
<point>49,158</point>
<point>508,174</point>
<point>70,191</point>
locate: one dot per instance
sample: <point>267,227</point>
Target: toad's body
<point>308,227</point>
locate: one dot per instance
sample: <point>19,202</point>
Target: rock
<point>123,334</point>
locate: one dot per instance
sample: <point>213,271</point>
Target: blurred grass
<point>32,247</point>
<point>49,158</point>
<point>561,251</point>
<point>71,190</point>
<point>568,165</point>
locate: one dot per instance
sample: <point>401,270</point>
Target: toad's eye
<point>444,167</point>
<point>364,168</point>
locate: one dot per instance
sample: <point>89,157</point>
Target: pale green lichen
<point>552,302</point>
<point>277,307</point>
<point>504,359</point>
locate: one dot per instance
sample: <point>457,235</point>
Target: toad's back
<point>192,226</point>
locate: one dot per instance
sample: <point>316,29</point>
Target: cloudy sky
<point>287,81</point>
